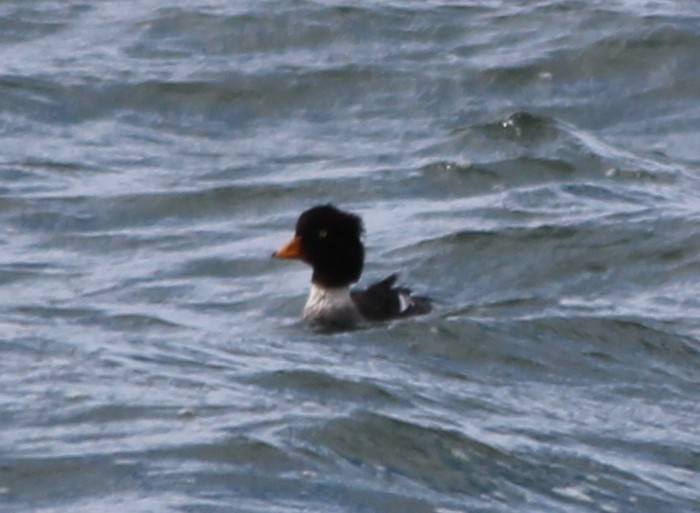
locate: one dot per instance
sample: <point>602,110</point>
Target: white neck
<point>330,306</point>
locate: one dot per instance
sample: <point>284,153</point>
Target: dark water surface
<point>532,165</point>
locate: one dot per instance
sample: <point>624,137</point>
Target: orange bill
<point>291,250</point>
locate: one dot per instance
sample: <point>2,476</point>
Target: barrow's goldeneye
<point>328,239</point>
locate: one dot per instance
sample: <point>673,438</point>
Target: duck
<point>330,241</point>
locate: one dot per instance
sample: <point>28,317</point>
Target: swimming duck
<point>329,240</point>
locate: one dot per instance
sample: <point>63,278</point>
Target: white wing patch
<point>405,302</point>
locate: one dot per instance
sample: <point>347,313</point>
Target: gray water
<point>531,165</point>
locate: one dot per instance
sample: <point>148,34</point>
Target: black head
<point>328,239</point>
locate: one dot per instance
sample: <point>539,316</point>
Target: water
<point>530,165</point>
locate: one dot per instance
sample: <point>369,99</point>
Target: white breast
<point>331,306</point>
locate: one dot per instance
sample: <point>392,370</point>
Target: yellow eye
<point>323,233</point>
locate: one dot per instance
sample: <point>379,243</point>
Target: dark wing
<point>383,301</point>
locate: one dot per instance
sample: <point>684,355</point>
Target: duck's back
<point>382,301</point>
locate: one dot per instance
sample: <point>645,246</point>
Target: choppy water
<point>531,165</point>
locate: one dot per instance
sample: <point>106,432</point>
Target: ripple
<point>326,386</point>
